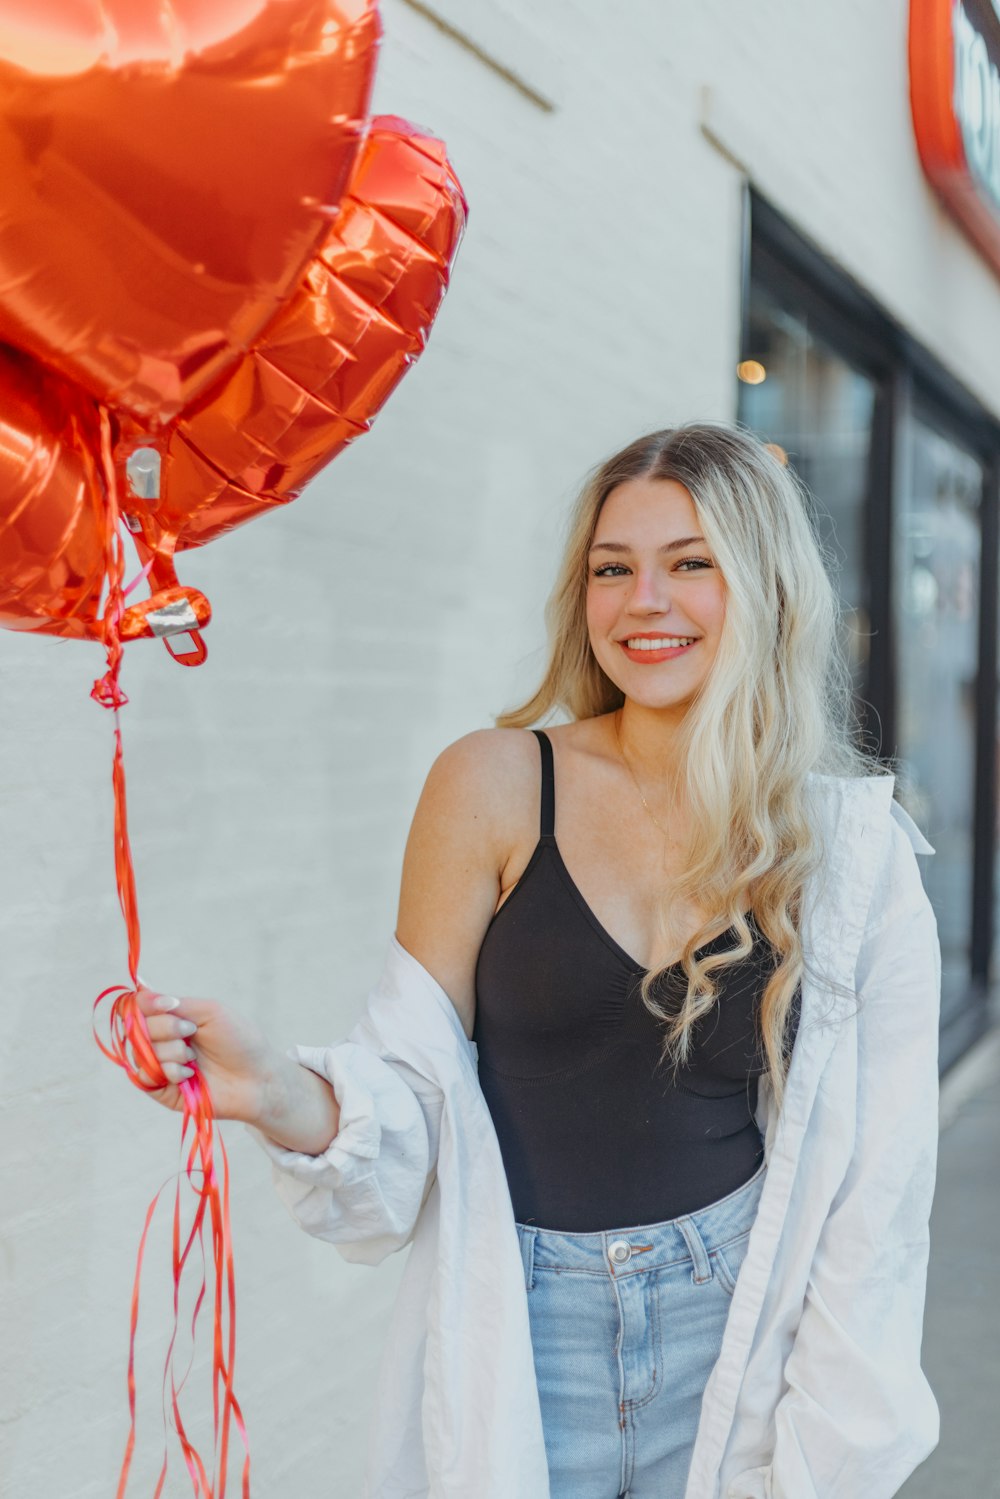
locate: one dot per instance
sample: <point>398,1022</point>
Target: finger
<point>177,1073</point>
<point>154,1004</point>
<point>174,1051</point>
<point>168,1027</point>
<point>151,1002</point>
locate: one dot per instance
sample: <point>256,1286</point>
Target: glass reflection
<point>937,561</point>
<point>819,409</point>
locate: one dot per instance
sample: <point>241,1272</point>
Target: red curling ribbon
<point>131,1049</point>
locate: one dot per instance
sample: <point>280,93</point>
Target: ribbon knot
<point>107,691</point>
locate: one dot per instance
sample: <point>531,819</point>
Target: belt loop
<point>696,1249</point>
<point>526,1239</point>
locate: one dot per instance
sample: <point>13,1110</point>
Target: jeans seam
<point>628,1447</point>
<point>652,1291</point>
<point>527,1241</point>
<point>743,1234</point>
<point>727,1278</point>
<point>623,1414</point>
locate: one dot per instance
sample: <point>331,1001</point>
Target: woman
<point>650,1078</point>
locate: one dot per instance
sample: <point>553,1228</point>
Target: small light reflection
<point>751,372</point>
<point>923,591</point>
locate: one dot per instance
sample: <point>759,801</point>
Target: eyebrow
<point>670,546</point>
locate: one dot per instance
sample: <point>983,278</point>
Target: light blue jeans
<point>626,1325</point>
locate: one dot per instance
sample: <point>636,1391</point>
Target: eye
<point>613,569</point>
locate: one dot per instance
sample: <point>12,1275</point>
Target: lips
<point>648,657</point>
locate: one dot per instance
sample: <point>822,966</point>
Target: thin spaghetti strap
<point>548,817</point>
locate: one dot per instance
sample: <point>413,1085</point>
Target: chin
<point>665,700</point>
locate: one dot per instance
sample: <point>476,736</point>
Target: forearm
<point>357,1175</point>
<point>299,1109</point>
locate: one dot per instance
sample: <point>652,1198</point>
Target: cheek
<point>601,611</point>
<point>714,605</point>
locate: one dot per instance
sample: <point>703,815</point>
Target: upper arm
<point>455,853</point>
<point>902,901</point>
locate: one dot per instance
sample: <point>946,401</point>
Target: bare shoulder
<point>486,777</point>
<point>457,848</point>
<point>490,757</point>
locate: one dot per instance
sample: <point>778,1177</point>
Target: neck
<point>650,738</point>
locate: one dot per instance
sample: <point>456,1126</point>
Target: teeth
<point>661,643</point>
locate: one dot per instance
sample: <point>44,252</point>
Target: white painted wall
<point>394,607</point>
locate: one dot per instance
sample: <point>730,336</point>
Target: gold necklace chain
<point>635,778</point>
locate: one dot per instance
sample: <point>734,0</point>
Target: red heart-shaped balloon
<point>51,512</point>
<point>326,363</point>
<point>166,171</point>
<point>53,543</point>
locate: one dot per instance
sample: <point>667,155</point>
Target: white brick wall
<point>394,607</point>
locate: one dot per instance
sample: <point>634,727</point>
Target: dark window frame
<point>908,380</point>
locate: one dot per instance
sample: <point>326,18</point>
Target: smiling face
<point>650,574</point>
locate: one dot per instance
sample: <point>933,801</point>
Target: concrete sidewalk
<point>961,1349</point>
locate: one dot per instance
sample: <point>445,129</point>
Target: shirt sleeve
<point>858,1414</point>
<point>365,1192</point>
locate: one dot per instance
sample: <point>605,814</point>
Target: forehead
<point>641,509</point>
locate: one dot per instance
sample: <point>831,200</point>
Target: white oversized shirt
<point>817,1392</point>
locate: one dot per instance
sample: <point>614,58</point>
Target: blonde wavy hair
<point>776,706</point>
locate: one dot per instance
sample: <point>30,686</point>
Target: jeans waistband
<point>691,1236</point>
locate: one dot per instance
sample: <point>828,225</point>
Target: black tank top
<point>593,1131</point>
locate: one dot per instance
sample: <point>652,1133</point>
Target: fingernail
<point>186,1027</point>
<point>164,1002</point>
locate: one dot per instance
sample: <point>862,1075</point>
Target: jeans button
<point>619,1251</point>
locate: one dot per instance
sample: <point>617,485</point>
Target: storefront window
<point>819,409</point>
<point>937,562</point>
<point>900,462</point>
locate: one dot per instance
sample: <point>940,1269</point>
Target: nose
<point>650,592</point>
